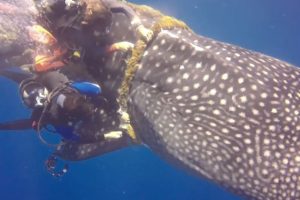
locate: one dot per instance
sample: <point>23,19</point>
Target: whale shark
<point>220,111</point>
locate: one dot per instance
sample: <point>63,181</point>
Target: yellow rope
<point>132,65</point>
<point>166,23</point>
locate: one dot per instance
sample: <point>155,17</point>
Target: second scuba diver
<point>57,101</point>
<point>81,25</point>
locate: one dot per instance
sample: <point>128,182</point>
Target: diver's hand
<point>123,46</point>
<point>113,135</point>
<point>27,67</point>
<point>144,32</point>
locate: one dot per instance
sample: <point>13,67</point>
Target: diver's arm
<point>16,125</point>
<point>123,46</point>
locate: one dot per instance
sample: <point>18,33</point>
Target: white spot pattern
<point>236,118</point>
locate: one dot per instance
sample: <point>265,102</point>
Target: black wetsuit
<point>64,117</point>
<point>66,25</point>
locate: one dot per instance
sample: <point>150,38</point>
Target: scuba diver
<point>59,102</point>
<point>56,101</point>
<point>83,25</point>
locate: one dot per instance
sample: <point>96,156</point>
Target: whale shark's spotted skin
<point>229,114</point>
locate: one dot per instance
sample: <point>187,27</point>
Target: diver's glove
<point>123,46</point>
<point>144,33</point>
<point>113,135</point>
<point>28,67</point>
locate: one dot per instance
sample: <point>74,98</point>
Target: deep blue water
<point>268,26</point>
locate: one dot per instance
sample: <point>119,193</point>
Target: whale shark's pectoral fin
<point>75,151</point>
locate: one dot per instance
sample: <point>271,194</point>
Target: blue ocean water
<point>268,26</point>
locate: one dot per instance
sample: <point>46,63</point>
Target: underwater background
<point>268,26</point>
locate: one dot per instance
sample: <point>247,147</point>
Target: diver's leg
<point>76,151</point>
